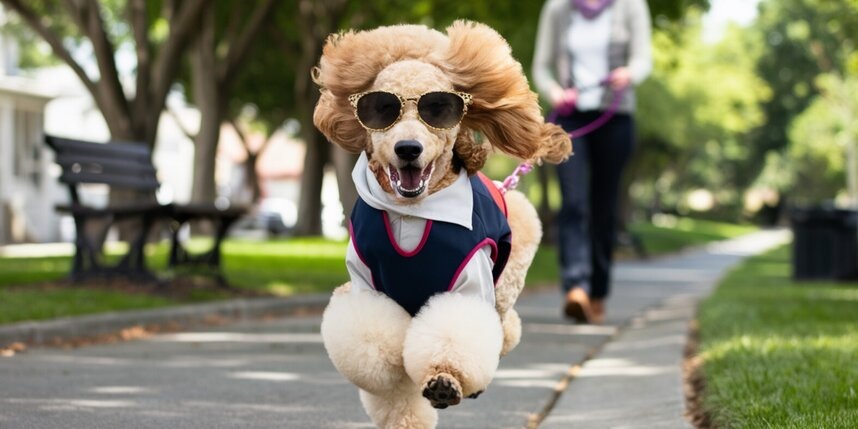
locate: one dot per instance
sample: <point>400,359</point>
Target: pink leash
<point>597,123</point>
<point>511,182</point>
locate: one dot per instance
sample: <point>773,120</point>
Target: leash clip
<point>511,182</point>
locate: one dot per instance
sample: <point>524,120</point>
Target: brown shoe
<point>598,307</point>
<point>578,306</point>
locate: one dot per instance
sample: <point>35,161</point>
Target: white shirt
<point>453,204</point>
<point>588,41</point>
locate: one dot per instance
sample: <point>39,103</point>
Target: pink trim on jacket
<point>396,247</point>
<point>480,245</point>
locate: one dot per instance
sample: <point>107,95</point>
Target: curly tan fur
<point>409,61</point>
<point>471,154</point>
<point>477,60</point>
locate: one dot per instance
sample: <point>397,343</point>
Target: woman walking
<point>588,52</point>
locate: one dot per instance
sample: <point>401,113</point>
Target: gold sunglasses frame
<point>467,99</point>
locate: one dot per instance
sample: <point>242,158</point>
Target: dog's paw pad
<point>475,395</point>
<point>442,391</point>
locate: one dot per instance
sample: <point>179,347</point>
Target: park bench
<point>127,167</point>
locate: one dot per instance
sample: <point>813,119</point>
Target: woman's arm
<point>640,50</point>
<point>543,56</point>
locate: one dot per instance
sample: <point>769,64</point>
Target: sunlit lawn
<point>779,354</point>
<point>276,267</point>
<point>670,235</point>
<point>281,267</point>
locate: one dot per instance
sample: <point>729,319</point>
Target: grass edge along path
<point>774,353</point>
<point>29,289</point>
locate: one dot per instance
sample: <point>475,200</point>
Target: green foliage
<point>33,51</point>
<point>693,114</point>
<point>804,39</point>
<point>818,144</point>
<point>266,81</point>
<point>777,353</point>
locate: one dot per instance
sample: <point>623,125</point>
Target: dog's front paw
<point>442,391</point>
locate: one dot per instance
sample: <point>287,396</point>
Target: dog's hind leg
<point>363,333</point>
<point>526,236</point>
<point>452,348</point>
<point>400,408</point>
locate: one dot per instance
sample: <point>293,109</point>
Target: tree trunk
<point>205,152</point>
<point>209,100</point>
<point>310,200</point>
<point>251,178</point>
<point>317,154</point>
<point>344,163</point>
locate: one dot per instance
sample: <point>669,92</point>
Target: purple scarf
<point>589,10</point>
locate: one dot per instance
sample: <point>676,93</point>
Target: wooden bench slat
<point>108,166</point>
<point>132,182</point>
<point>134,209</point>
<point>117,149</point>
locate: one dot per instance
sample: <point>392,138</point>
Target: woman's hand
<point>563,100</point>
<point>620,78</point>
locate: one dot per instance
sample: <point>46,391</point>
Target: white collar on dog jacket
<point>452,204</point>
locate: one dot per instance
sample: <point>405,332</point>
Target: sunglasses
<point>380,110</point>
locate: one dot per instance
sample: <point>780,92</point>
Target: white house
<point>26,187</point>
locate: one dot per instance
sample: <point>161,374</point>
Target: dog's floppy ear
<point>339,125</point>
<point>468,153</point>
<point>504,109</point>
<point>334,116</point>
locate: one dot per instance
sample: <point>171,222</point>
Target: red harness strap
<point>494,191</point>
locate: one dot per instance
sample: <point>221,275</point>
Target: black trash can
<point>825,243</point>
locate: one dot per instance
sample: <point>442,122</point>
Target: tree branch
<point>241,136</point>
<point>77,10</point>
<point>166,65</point>
<point>140,27</point>
<point>184,129</point>
<point>239,47</point>
<point>33,20</point>
<point>268,139</point>
<point>104,55</point>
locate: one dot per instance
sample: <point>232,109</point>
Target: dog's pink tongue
<point>410,178</point>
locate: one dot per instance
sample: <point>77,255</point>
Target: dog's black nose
<point>408,150</point>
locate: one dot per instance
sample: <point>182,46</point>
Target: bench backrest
<point>116,164</point>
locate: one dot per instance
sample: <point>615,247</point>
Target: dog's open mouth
<point>410,181</point>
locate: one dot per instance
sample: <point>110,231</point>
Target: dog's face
<point>411,158</point>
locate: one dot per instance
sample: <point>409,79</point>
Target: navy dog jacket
<point>411,278</point>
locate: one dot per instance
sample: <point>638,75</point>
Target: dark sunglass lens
<point>378,110</point>
<point>441,109</point>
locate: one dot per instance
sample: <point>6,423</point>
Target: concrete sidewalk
<point>275,373</point>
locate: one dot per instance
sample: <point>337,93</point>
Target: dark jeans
<point>589,184</point>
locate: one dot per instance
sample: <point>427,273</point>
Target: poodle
<point>437,256</point>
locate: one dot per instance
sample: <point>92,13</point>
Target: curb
<point>91,326</point>
<point>650,351</point>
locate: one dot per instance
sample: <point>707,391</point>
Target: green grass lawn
<point>777,353</point>
<point>276,267</point>
<point>670,235</point>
